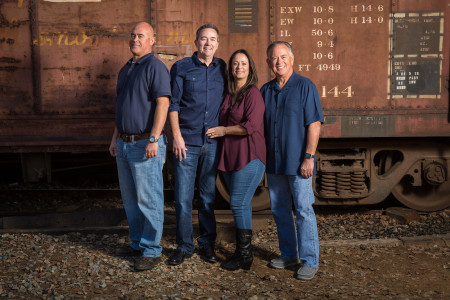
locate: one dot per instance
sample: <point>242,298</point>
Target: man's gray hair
<point>208,25</point>
<point>273,44</point>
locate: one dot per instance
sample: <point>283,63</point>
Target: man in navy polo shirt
<point>293,119</point>
<point>197,93</point>
<point>143,92</point>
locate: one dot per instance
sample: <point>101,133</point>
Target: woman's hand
<point>216,132</point>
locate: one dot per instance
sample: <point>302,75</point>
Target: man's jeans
<point>141,185</point>
<point>204,160</point>
<point>305,242</point>
<point>242,185</point>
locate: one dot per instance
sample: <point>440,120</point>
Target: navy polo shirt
<point>138,85</point>
<point>288,113</point>
<point>197,93</point>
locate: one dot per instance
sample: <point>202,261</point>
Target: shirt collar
<point>274,84</point>
<point>142,59</point>
<point>198,62</point>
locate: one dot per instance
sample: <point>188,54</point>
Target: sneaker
<point>283,262</point>
<point>306,273</point>
<point>146,263</point>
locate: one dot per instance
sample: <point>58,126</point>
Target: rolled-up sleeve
<point>253,111</point>
<point>176,82</point>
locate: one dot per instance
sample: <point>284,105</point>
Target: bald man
<point>139,146</point>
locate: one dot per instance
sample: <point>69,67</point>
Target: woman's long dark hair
<point>252,78</point>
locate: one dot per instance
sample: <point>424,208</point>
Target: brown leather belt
<point>133,137</point>
<point>127,138</point>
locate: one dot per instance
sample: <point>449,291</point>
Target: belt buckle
<point>127,138</point>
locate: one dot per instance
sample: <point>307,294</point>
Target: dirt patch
<point>77,266</point>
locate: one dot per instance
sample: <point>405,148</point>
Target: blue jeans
<point>298,239</point>
<point>242,185</point>
<point>141,186</point>
<point>201,160</point>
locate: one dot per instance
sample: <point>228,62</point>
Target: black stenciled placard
<point>416,54</point>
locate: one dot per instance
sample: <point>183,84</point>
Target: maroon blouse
<point>238,150</point>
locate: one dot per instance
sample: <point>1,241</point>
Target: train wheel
<point>260,201</point>
<point>426,197</point>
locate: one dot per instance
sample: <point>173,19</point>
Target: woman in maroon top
<point>243,150</point>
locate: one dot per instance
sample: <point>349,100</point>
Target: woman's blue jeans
<point>200,161</point>
<point>242,185</point>
<point>297,238</point>
<point>141,186</point>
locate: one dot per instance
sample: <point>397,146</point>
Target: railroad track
<point>79,209</point>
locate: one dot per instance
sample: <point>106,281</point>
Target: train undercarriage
<point>349,172</point>
<point>355,172</point>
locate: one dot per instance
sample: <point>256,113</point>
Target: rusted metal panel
<point>427,60</point>
<point>58,69</point>
<point>82,48</point>
<point>59,60</point>
<point>176,22</point>
<point>352,51</point>
<point>342,46</point>
<point>16,81</point>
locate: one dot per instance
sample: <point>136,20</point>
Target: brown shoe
<point>146,263</point>
<point>127,251</point>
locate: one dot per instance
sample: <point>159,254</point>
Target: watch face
<point>152,139</point>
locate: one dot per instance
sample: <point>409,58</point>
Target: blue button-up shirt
<point>197,93</point>
<point>288,113</point>
<point>138,85</point>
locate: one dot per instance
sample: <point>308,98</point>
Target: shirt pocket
<point>192,83</point>
<point>219,81</point>
<point>293,106</point>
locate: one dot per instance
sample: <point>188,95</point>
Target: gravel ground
<point>363,265</point>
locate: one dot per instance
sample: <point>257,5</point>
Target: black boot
<point>243,256</point>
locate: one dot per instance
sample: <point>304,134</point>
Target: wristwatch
<point>152,139</point>
<point>309,155</point>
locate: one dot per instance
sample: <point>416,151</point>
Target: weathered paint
<point>59,61</point>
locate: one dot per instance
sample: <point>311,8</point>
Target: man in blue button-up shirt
<point>293,119</point>
<point>197,92</point>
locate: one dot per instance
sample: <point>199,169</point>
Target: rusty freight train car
<point>381,68</point>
